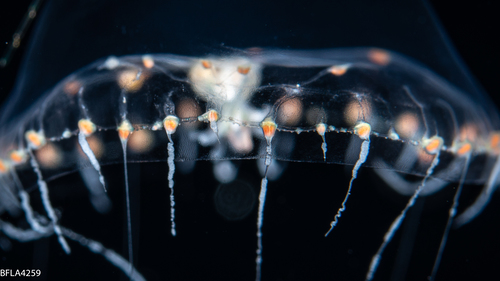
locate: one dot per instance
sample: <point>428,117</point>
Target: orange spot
<point>17,156</point>
<point>243,69</point>
<point>269,128</point>
<point>363,130</point>
<point>170,124</point>
<point>213,116</point>
<point>464,149</point>
<point>35,139</point>
<point>210,116</point>
<point>495,140</point>
<point>379,56</point>
<point>148,61</point>
<point>86,127</point>
<point>125,130</point>
<point>321,129</point>
<point>206,64</point>
<point>338,70</point>
<point>123,134</point>
<point>3,167</point>
<point>433,145</point>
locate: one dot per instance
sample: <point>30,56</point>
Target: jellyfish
<point>254,146</point>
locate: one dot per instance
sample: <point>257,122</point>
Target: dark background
<point>473,29</point>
